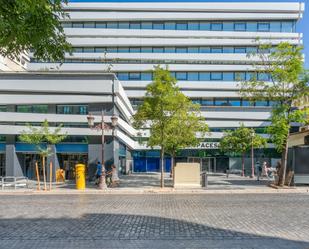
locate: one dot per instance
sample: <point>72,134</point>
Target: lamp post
<point>102,126</point>
<point>252,154</point>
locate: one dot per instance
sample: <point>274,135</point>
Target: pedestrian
<point>98,172</point>
<point>115,179</point>
<point>265,170</point>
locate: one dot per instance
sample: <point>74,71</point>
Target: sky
<point>302,26</point>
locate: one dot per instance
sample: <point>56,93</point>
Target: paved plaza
<point>155,221</point>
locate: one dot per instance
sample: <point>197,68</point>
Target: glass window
<point>221,102</point>
<point>100,25</point>
<point>228,76</point>
<point>193,49</point>
<point>240,76</point>
<point>78,50</point>
<point>170,50</point>
<point>193,26</point>
<point>158,25</point>
<point>251,49</point>
<point>251,76</point>
<point>32,108</point>
<point>146,50</point>
<point>3,108</point>
<point>24,108</point>
<point>78,25</point>
<point>216,50</point>
<point>170,25</point>
<point>135,25</point>
<point>263,76</point>
<point>123,76</point>
<point>134,76</point>
<point>247,103</point>
<point>88,50</point>
<point>261,103</point>
<point>207,102</point>
<point>135,50</point>
<point>228,26</point>
<point>240,26</point>
<point>263,26</point>
<point>173,74</point>
<point>181,50</point>
<point>234,102</point>
<point>66,24</point>
<point>193,76</point>
<point>123,50</point>
<point>204,76</point>
<point>204,49</point>
<point>228,50</point>
<point>216,76</point>
<point>89,25</point>
<point>111,50</point>
<point>72,109</point>
<point>240,50</point>
<point>287,27</point>
<point>181,26</point>
<point>112,25</point>
<point>275,26</point>
<point>146,76</point>
<point>252,26</point>
<point>100,50</point>
<point>124,25</point>
<point>204,26</point>
<point>146,25</point>
<point>181,75</point>
<point>158,50</point>
<point>216,26</point>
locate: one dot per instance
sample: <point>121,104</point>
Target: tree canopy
<point>33,24</point>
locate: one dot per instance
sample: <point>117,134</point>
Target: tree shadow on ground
<point>129,231</point>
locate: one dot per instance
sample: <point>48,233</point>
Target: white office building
<point>205,47</point>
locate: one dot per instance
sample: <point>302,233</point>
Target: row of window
<point>195,49</point>
<point>250,26</point>
<point>60,109</point>
<point>198,76</point>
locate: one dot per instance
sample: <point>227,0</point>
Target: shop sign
<point>208,145</point>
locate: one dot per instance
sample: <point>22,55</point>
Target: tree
<point>33,24</point>
<point>240,141</point>
<point>163,109</point>
<point>288,83</point>
<point>40,136</point>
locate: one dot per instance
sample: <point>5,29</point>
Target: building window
<point>204,26</point>
<point>287,27</point>
<point>135,25</point>
<point>170,50</point>
<point>112,25</point>
<point>32,108</point>
<point>216,76</point>
<point>204,76</point>
<point>193,76</point>
<point>181,76</point>
<point>3,108</point>
<point>217,26</point>
<point>181,50</point>
<point>263,26</point>
<point>89,25</point>
<point>182,26</point>
<point>134,76</point>
<point>216,50</point>
<point>170,25</point>
<point>72,109</point>
<point>124,25</point>
<point>146,25</point>
<point>193,26</point>
<point>240,50</point>
<point>158,25</point>
<point>240,26</point>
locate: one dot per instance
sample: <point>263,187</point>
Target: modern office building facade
<point>205,47</point>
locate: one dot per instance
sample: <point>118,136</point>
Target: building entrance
<point>28,167</point>
<point>67,162</point>
<point>207,163</point>
<point>2,164</point>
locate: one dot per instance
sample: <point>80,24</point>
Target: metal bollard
<point>204,180</point>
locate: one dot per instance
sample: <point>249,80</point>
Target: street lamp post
<point>102,126</point>
<point>252,154</point>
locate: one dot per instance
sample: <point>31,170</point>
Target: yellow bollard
<point>80,176</point>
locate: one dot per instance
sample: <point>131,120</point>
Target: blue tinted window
<point>287,27</point>
<point>228,76</point>
<point>193,49</point>
<point>78,25</point>
<point>146,50</point>
<point>123,76</point>
<point>204,49</point>
<point>158,50</point>
<point>158,25</point>
<point>181,76</point>
<point>77,50</point>
<point>251,76</point>
<point>124,25</point>
<point>100,50</point>
<point>240,26</point>
<point>263,26</point>
<point>173,74</point>
<point>135,50</point>
<point>252,26</point>
<point>228,49</point>
<point>275,26</point>
<point>100,25</point>
<point>181,50</point>
<point>193,76</point>
<point>112,25</point>
<point>135,25</point>
<point>170,25</point>
<point>261,103</point>
<point>170,50</point>
<point>182,26</point>
<point>193,26</point>
<point>247,103</point>
<point>263,76</point>
<point>240,76</point>
<point>221,102</point>
<point>88,50</point>
<point>207,102</point>
<point>89,25</point>
<point>134,76</point>
<point>251,49</point>
<point>204,26</point>
<point>146,25</point>
<point>66,25</point>
<point>234,102</point>
<point>240,50</point>
<point>111,50</point>
<point>216,50</point>
<point>216,76</point>
<point>216,26</point>
<point>228,26</point>
<point>204,76</point>
<point>146,76</point>
<point>123,50</point>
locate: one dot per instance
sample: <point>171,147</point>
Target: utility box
<point>187,175</point>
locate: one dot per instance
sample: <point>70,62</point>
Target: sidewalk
<point>149,183</point>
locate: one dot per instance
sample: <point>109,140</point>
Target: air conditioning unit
<point>304,128</point>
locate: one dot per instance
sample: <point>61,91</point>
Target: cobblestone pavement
<point>155,221</point>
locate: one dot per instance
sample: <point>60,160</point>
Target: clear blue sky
<point>303,25</point>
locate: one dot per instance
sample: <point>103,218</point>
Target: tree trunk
<point>44,173</point>
<point>243,165</point>
<point>173,167</point>
<point>283,164</point>
<point>162,167</point>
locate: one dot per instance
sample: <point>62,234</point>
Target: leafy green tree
<point>41,136</point>
<point>33,24</point>
<point>241,141</point>
<point>289,83</point>
<point>163,109</point>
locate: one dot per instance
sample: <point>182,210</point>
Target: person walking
<point>98,172</point>
<point>265,170</point>
<point>115,179</point>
